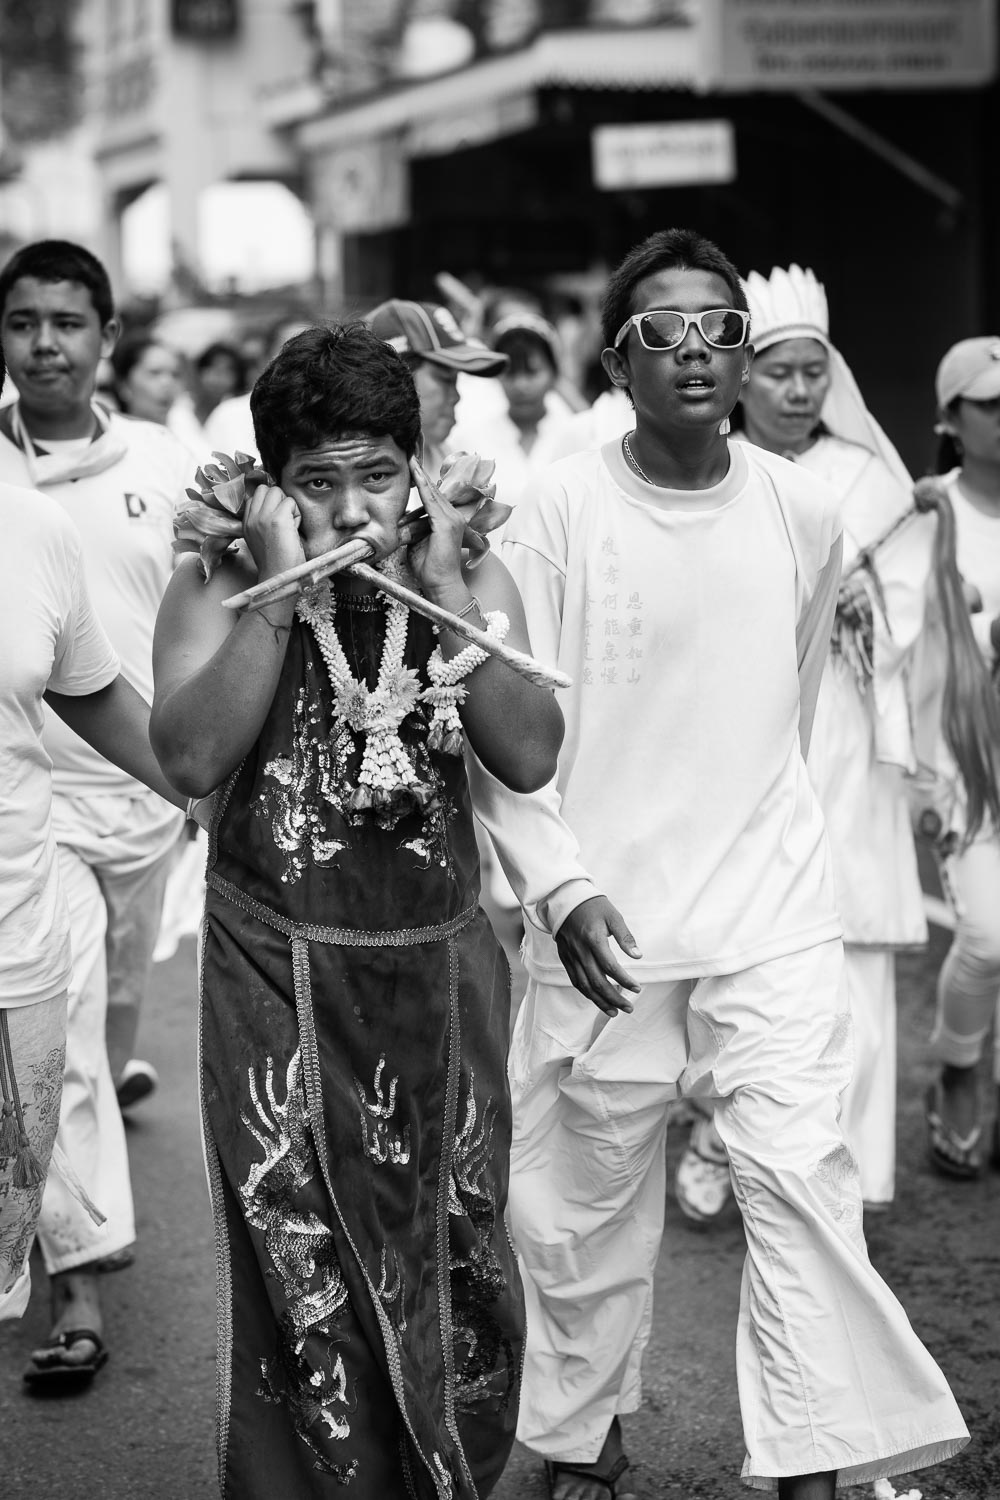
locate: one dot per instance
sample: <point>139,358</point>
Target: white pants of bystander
<point>868,1105</point>
<point>831,1375</point>
<point>114,858</point>
<point>969,982</point>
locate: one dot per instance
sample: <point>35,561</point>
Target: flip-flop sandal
<point>57,1376</point>
<point>951,1154</point>
<point>119,1260</point>
<point>555,1470</point>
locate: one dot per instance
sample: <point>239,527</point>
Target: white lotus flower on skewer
<point>212,522</point>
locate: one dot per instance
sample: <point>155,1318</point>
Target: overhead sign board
<point>204,20</point>
<point>849,44</point>
<point>663,155</point>
<point>440,134</point>
<point>362,187</point>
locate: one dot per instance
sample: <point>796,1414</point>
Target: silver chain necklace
<point>633,461</point>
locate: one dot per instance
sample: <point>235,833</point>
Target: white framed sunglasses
<point>663,328</point>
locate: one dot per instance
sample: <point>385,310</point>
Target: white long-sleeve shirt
<point>694,625</point>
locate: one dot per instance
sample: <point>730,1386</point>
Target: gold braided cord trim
<point>223,1261</point>
<point>341,937</point>
<point>443,1219</point>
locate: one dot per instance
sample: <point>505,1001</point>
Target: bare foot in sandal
<point>75,1346</point>
<point>600,1480</point>
<point>953,1123</point>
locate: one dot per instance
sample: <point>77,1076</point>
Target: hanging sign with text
<point>849,44</point>
<point>663,155</point>
<point>204,20</point>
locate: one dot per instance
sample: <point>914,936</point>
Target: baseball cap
<point>430,331</point>
<point>971,368</point>
<point>528,322</point>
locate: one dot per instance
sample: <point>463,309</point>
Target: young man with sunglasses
<point>688,588</point>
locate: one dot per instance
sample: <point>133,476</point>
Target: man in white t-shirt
<point>51,646</point>
<point>119,480</point>
<point>688,588</point>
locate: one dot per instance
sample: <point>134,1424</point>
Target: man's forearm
<point>115,722</point>
<point>203,726</point>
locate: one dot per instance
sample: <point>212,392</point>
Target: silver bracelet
<point>472,604</point>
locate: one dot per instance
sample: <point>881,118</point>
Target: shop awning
<point>496,97</point>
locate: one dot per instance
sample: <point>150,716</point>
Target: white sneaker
<point>702,1184</point>
<point>138,1081</point>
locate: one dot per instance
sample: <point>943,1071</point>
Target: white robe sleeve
<point>538,852</point>
<point>812,638</point>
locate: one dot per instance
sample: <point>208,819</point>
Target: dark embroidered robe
<point>354,1031</point>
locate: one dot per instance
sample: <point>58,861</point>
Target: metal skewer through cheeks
<point>356,556</point>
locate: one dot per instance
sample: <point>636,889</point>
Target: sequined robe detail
<point>354,1028</point>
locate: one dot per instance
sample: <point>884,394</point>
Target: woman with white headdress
<point>801,401</point>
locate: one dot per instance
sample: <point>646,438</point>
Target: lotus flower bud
<point>213,521</point>
<point>466,479</point>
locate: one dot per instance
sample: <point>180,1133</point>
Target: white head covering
<point>786,305</point>
<point>791,304</point>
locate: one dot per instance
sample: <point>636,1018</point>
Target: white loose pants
<point>968,998</point>
<point>115,854</point>
<point>831,1376</point>
<point>868,1104</point>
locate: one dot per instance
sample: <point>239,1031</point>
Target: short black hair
<point>519,344</point>
<point>668,249</point>
<point>220,349</point>
<point>331,380</point>
<point>129,350</point>
<point>60,260</point>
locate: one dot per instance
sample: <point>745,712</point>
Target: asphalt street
<point>144,1431</point>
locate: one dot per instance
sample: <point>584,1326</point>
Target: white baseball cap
<point>970,369</point>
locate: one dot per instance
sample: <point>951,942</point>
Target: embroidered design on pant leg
<point>839,1185</point>
<point>21,1204</point>
<point>382,1144</point>
<point>484,1360</point>
<point>305,783</point>
<point>389,1290</point>
<point>307,1375</point>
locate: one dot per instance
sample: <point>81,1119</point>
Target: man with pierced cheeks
<point>354,998</point>
<point>688,588</point>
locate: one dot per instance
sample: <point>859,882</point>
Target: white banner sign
<point>663,155</point>
<point>850,44</point>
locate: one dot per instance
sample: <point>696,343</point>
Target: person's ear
<point>109,337</point>
<point>615,367</point>
<point>748,353</point>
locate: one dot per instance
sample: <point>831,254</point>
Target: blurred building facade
<point>174,91</point>
<point>532,142</point>
<point>858,139</point>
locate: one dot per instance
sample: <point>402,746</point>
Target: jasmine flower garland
<point>387,774</point>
